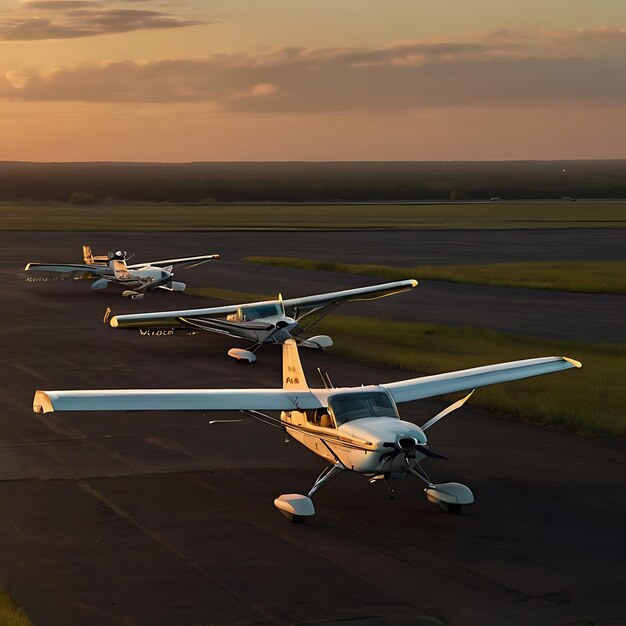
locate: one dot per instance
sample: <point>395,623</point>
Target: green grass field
<point>10,613</point>
<point>582,277</point>
<point>185,217</point>
<point>589,400</point>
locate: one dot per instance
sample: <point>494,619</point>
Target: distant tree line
<point>87,183</point>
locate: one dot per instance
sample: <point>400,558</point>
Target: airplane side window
<point>235,317</point>
<point>312,418</point>
<point>326,420</point>
<point>320,418</point>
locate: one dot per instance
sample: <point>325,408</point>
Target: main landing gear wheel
<point>453,509</point>
<point>298,508</point>
<point>450,496</point>
<point>295,507</point>
<point>242,355</point>
<point>133,295</point>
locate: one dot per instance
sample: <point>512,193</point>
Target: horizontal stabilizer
<point>462,380</point>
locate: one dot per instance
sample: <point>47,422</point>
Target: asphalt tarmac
<point>162,519</point>
<point>589,317</point>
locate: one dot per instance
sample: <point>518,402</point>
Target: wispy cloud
<point>503,68</point>
<point>70,19</point>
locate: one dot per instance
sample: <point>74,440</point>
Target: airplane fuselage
<point>138,278</point>
<point>368,445</point>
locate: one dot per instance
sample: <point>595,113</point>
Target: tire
<point>453,509</point>
<point>295,519</point>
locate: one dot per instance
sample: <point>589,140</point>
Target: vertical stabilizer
<point>90,259</point>
<point>87,255</point>
<point>293,374</point>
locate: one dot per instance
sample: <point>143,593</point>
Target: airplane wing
<point>301,305</point>
<point>175,400</point>
<point>59,270</point>
<point>373,292</point>
<point>190,261</point>
<point>289,398</point>
<point>462,380</point>
<point>169,318</point>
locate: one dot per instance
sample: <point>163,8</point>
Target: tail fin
<point>87,255</point>
<point>90,259</point>
<point>293,374</point>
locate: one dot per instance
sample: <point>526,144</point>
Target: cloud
<point>70,19</point>
<point>504,69</point>
<point>17,80</point>
<point>258,91</point>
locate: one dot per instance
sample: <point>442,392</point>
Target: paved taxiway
<point>590,317</point>
<point>153,518</point>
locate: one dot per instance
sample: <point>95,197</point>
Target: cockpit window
<point>353,406</point>
<point>255,312</point>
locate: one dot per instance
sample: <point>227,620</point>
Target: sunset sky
<point>212,80</point>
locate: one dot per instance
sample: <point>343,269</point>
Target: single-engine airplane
<point>261,323</point>
<point>353,428</point>
<point>113,269</point>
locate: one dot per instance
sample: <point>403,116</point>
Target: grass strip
<point>607,277</point>
<point>589,400</point>
<point>200,217</point>
<point>11,614</point>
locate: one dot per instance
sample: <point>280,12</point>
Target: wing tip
<point>42,402</point>
<point>573,362</point>
<point>113,322</point>
<point>414,283</point>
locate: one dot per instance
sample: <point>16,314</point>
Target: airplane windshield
<point>353,406</point>
<point>255,312</point>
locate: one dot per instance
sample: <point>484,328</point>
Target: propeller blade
<point>453,407</point>
<point>282,304</point>
<point>422,449</point>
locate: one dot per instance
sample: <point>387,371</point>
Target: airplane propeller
<point>404,448</point>
<point>407,446</point>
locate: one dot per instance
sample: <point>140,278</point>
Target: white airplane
<point>113,269</point>
<point>353,428</point>
<point>272,321</point>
